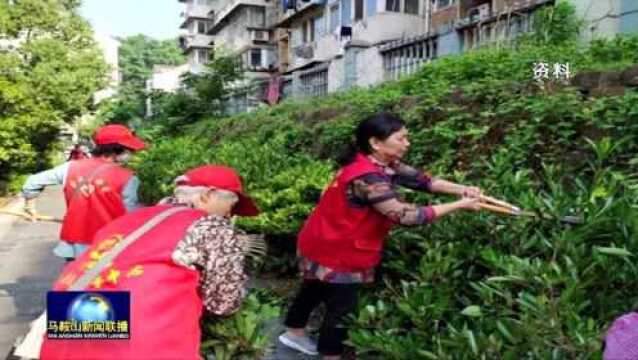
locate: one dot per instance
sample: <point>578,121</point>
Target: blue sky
<point>156,18</point>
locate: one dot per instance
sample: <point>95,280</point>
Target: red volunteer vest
<point>93,194</point>
<point>165,304</point>
<point>339,235</point>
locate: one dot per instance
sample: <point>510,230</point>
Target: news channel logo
<point>91,307</point>
<point>88,315</point>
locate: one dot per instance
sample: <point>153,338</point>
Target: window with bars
<point>314,83</point>
<point>408,57</point>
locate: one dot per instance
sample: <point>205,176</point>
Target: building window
<point>201,56</point>
<point>393,5</point>
<point>411,7</point>
<point>314,83</point>
<point>440,4</point>
<point>257,17</point>
<point>334,18</point>
<point>255,58</point>
<point>358,10</point>
<point>308,31</point>
<point>409,58</point>
<point>201,27</point>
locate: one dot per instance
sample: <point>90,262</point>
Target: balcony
<point>485,13</point>
<point>302,7</point>
<point>220,16</point>
<point>192,12</point>
<point>196,41</point>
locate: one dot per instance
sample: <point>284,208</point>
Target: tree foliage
<point>201,96</point>
<point>48,77</point>
<point>140,53</point>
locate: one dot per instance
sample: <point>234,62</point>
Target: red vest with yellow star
<point>340,235</point>
<point>93,194</point>
<point>165,304</point>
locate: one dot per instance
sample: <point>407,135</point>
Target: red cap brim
<point>133,143</point>
<point>245,206</point>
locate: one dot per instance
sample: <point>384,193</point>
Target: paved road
<point>27,266</point>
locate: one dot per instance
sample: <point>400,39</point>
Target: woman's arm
<point>447,187</point>
<point>35,183</point>
<point>129,194</point>
<point>377,191</point>
<point>465,203</point>
<point>214,248</point>
<point>412,178</point>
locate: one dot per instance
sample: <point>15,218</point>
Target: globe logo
<point>91,307</point>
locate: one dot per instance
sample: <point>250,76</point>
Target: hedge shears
<point>499,206</point>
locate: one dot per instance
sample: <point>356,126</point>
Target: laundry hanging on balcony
<point>273,90</point>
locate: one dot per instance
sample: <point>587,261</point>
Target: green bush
<point>471,285</point>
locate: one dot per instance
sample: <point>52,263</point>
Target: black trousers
<point>340,300</point>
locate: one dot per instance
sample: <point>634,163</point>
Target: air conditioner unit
<point>260,35</point>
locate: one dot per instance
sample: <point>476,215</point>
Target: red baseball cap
<point>221,177</point>
<point>118,134</point>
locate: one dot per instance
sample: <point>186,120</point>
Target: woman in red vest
<point>342,240</point>
<point>192,258</point>
<point>96,190</point>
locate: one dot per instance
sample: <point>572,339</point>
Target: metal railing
<point>406,56</point>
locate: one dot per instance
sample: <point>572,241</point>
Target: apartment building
<point>245,29</point>
<point>331,45</point>
<point>315,47</point>
<point>194,39</point>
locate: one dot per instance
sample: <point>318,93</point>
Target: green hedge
<point>471,285</point>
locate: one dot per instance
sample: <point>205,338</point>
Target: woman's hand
<point>471,191</point>
<point>469,203</point>
<point>29,208</point>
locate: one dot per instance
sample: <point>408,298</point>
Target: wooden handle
<point>28,217</point>
<point>500,203</point>
<point>497,209</point>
